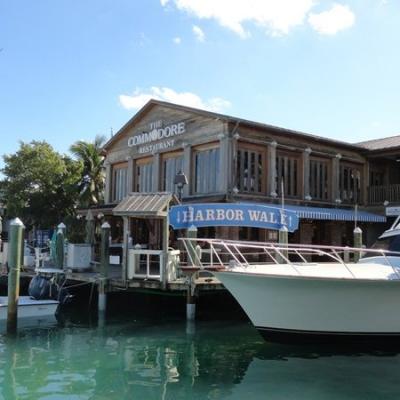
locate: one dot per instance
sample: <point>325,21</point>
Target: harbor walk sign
<point>212,214</point>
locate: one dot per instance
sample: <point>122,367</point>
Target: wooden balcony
<point>380,194</point>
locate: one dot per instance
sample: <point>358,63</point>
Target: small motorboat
<point>311,293</point>
<point>29,308</point>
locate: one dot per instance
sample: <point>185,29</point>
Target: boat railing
<point>221,254</point>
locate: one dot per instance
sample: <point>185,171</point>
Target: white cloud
<point>276,17</point>
<point>140,98</point>
<point>338,18</point>
<point>177,40</point>
<point>198,33</point>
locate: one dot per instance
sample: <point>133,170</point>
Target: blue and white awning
<point>334,214</point>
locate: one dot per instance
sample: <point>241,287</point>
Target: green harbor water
<point>157,355</point>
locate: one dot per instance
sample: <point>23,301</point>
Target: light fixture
<point>180,181</point>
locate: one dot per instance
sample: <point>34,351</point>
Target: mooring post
<point>63,228</point>
<point>192,254</point>
<point>346,255</point>
<point>104,265</point>
<point>60,249</point>
<point>14,264</point>
<point>190,304</point>
<point>283,238</point>
<point>357,234</point>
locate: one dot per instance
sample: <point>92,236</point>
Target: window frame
<point>114,169</point>
<point>261,175</point>
<point>196,151</point>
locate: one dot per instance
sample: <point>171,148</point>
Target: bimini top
<point>145,204</point>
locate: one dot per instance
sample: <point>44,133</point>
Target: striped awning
<point>334,214</point>
<point>145,205</point>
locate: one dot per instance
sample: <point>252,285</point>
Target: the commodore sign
<point>257,216</point>
<point>157,132</point>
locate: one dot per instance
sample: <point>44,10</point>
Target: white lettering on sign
<point>151,148</point>
<point>219,214</point>
<point>157,133</point>
<point>262,216</point>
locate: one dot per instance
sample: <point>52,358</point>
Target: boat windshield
<point>391,243</point>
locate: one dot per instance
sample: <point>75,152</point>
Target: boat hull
<point>29,308</point>
<point>307,309</point>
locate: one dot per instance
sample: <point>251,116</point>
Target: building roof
<point>335,214</point>
<point>380,144</point>
<point>240,121</point>
<point>145,205</point>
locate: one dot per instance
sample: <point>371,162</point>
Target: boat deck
<point>372,271</point>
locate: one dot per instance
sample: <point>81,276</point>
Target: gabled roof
<point>208,114</point>
<point>380,144</point>
<point>145,204</point>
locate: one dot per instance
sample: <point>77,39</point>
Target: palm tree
<point>91,156</point>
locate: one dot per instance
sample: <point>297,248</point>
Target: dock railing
<point>224,254</point>
<point>147,264</point>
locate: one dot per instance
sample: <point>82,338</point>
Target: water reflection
<point>216,360</point>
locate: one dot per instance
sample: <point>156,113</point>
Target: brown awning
<point>145,205</point>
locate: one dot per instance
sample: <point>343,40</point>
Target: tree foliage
<point>90,155</point>
<point>39,185</point>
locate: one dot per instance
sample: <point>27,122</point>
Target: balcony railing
<point>380,194</point>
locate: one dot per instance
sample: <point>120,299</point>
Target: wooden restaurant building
<point>232,160</point>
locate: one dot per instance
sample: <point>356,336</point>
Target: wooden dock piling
<point>104,266</point>
<point>14,264</point>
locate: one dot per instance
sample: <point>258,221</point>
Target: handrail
<point>235,249</point>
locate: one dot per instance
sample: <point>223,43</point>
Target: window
<point>119,182</point>
<point>171,165</point>
<point>319,179</point>
<point>350,184</point>
<point>249,170</point>
<point>206,165</point>
<point>144,175</point>
<point>287,171</point>
<point>376,178</point>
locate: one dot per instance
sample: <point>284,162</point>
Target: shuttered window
<point>319,179</point>
<point>250,170</point>
<point>287,172</point>
<point>350,184</point>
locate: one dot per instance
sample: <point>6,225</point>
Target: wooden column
<point>272,189</point>
<point>187,170</point>
<point>224,163</point>
<point>335,179</point>
<point>129,176</point>
<point>156,172</point>
<point>306,174</point>
<point>365,184</point>
<point>107,186</point>
<point>233,173</point>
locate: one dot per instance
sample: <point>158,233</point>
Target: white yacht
<point>310,293</point>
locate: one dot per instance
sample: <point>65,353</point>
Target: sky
<point>70,70</point>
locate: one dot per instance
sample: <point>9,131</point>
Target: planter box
<point>79,256</point>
